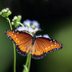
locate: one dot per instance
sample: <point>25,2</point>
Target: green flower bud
<point>5,12</point>
<point>16,21</point>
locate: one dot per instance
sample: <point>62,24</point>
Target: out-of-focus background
<point>55,18</point>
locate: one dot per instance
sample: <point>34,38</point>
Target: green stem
<point>14,57</point>
<point>28,62</point>
<point>9,23</point>
<point>13,47</point>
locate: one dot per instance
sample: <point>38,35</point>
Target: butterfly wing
<point>22,40</point>
<point>44,45</point>
<point>40,47</point>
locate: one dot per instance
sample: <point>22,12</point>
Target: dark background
<point>55,18</point>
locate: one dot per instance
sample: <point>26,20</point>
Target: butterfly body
<point>33,39</point>
<point>36,46</point>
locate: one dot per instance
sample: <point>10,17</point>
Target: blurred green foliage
<point>6,51</point>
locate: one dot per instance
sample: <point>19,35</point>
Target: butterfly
<point>36,46</point>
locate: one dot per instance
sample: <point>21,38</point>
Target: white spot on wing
<point>46,36</point>
<point>38,36</point>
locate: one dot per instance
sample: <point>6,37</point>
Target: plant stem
<point>14,57</point>
<point>14,67</point>
<point>10,24</point>
<point>28,62</point>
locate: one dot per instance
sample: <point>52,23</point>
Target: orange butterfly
<point>36,46</point>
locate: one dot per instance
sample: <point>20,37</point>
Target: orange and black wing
<point>22,40</point>
<point>38,49</point>
<point>44,45</point>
